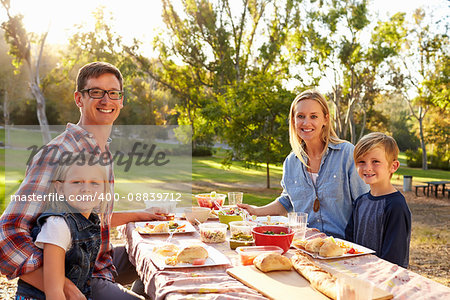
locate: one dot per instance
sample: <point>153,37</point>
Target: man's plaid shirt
<point>18,254</point>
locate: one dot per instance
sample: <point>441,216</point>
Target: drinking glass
<point>235,198</point>
<point>298,225</point>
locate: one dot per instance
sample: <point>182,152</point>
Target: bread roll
<point>314,245</point>
<point>189,254</point>
<point>267,262</point>
<point>320,279</point>
<point>330,248</point>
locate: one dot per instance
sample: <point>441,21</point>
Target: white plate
<point>274,220</point>
<point>187,229</point>
<point>357,247</point>
<point>215,258</point>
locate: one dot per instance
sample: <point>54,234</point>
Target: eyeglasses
<point>99,93</point>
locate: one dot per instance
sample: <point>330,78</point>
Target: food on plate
<point>314,245</point>
<point>163,227</point>
<point>330,248</point>
<point>191,253</point>
<point>195,255</point>
<point>348,248</point>
<point>167,250</point>
<point>213,232</point>
<point>268,262</point>
<point>320,279</point>
<point>299,243</point>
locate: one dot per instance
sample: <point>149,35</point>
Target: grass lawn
<point>206,174</point>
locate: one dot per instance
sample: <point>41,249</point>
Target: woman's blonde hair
<point>81,159</point>
<point>328,133</point>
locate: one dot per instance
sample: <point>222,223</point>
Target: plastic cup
<point>292,218</point>
<point>298,224</point>
<point>235,198</point>
<point>351,288</point>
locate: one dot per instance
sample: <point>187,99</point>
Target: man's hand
<point>123,217</point>
<point>153,213</point>
<point>71,291</point>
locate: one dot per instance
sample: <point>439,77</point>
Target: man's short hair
<point>94,70</point>
<point>377,139</point>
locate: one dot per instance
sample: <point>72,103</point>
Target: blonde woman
<point>319,176</point>
<point>69,231</point>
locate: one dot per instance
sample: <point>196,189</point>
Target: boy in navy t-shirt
<point>381,219</point>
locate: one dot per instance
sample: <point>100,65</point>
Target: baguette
<point>320,279</point>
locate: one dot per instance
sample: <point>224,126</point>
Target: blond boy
<point>381,219</point>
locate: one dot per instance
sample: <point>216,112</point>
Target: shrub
<point>202,151</point>
<point>434,160</point>
<point>414,158</point>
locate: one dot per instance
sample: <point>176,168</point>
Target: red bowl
<point>283,241</point>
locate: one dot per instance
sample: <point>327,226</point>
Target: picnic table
<point>435,186</point>
<point>213,282</point>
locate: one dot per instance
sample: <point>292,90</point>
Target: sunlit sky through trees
<point>138,19</point>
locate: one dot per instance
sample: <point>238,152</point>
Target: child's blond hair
<point>60,175</point>
<point>377,139</point>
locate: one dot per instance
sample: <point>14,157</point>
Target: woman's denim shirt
<point>80,258</point>
<point>338,185</point>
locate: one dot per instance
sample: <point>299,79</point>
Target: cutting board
<point>286,284</point>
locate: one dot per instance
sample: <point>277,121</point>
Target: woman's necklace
<point>316,205</point>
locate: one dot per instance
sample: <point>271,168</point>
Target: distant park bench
<point>424,187</point>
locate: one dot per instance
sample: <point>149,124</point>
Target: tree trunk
<point>422,144</point>
<point>268,176</point>
<point>6,117</point>
<point>363,125</point>
<point>40,110</point>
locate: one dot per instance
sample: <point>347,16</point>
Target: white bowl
<point>197,214</point>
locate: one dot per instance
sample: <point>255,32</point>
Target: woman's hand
<point>275,208</point>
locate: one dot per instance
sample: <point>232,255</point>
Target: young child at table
<point>381,219</point>
<point>69,229</point>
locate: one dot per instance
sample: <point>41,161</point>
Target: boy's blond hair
<point>377,139</point>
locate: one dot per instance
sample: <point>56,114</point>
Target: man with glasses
<point>99,97</point>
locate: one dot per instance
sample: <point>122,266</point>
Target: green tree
<point>256,121</point>
<point>20,48</point>
<point>330,42</point>
<point>421,74</point>
<point>208,52</point>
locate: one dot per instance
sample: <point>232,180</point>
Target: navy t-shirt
<point>383,224</point>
